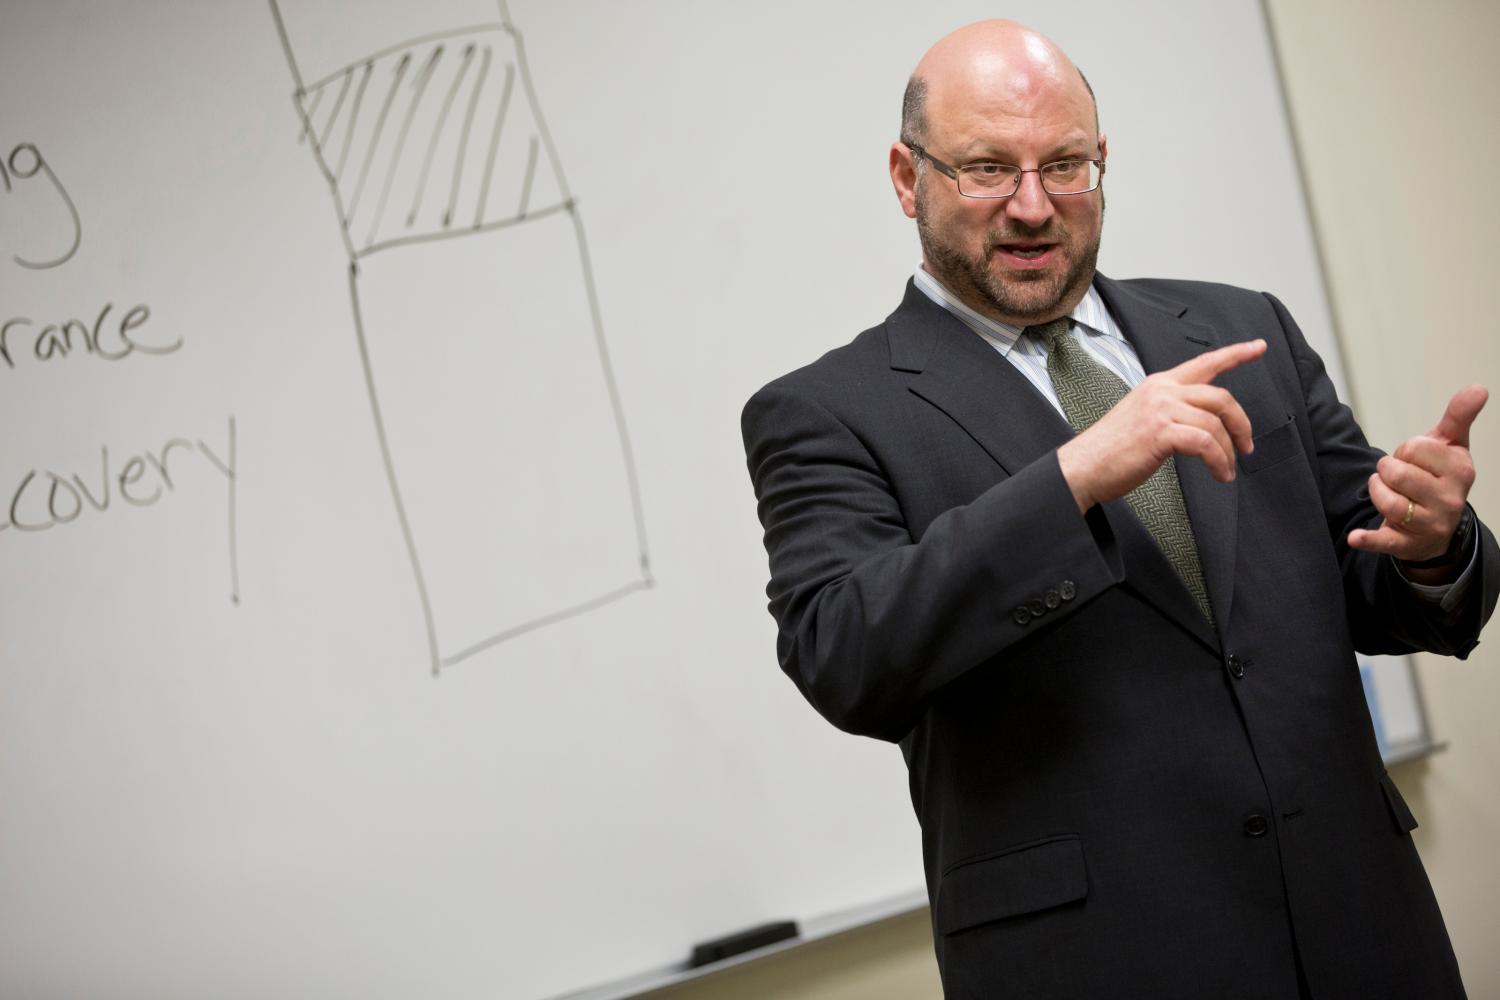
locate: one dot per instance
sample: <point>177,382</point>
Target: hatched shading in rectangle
<point>431,139</point>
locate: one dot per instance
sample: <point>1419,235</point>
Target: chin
<point>1029,298</point>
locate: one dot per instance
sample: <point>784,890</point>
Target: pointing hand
<point>1175,412</point>
<point>1423,486</point>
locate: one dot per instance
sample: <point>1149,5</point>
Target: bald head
<point>998,101</point>
<point>1007,65</point>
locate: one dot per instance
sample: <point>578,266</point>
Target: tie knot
<point>1051,333</point>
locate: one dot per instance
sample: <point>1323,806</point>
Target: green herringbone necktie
<point>1087,391</point>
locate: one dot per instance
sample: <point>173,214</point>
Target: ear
<point>1103,146</point>
<point>904,178</point>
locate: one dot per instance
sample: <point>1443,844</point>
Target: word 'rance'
<point>112,341</point>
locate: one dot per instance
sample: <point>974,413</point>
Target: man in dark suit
<point>1098,555</point>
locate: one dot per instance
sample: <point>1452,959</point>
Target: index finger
<point>1210,365</point>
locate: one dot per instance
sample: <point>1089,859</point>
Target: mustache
<point>1048,232</point>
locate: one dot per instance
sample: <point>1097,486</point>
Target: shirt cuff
<point>1448,596</point>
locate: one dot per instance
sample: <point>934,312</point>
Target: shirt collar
<point>1090,313</point>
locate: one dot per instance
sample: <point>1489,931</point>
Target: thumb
<point>1459,416</point>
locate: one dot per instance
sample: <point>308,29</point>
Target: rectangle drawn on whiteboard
<point>441,167</point>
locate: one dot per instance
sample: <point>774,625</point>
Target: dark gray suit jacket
<point>1116,798</point>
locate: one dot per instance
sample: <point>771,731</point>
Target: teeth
<point>1029,253</point>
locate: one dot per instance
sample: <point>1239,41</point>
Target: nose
<point>1030,205</point>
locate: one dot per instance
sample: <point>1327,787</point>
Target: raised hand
<point>1175,412</point>
<point>1422,487</point>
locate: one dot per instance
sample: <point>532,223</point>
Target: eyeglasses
<point>1001,180</point>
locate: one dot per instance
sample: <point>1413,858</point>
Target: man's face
<point>1024,259</point>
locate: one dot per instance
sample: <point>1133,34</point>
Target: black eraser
<point>737,944</point>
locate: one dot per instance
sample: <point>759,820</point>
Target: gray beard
<point>1028,296</point>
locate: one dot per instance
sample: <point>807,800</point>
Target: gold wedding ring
<point>1409,508</point>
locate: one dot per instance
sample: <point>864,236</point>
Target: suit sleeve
<point>872,621</point>
<point>1385,614</point>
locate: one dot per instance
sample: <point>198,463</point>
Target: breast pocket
<point>1276,445</point>
<point>1007,883</point>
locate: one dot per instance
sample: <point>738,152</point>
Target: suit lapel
<point>1163,339</point>
<point>960,374</point>
<point>963,376</point>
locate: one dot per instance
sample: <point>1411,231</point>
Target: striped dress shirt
<point>1093,327</point>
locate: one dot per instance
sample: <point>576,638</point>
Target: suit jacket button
<point>1020,615</point>
<point>1066,590</point>
<point>1036,607</point>
<point>1256,826</point>
<point>1236,667</point>
<point>1052,599</point>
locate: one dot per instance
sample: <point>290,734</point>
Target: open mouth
<point>1026,254</point>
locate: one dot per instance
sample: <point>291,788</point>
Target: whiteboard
<point>383,595</point>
